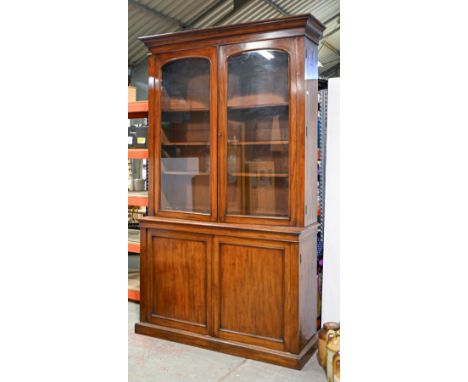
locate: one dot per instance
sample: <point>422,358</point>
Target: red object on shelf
<point>138,153</point>
<point>134,295</point>
<point>138,109</point>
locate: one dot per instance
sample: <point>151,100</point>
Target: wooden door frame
<point>289,315</point>
<point>155,75</point>
<point>287,45</point>
<point>149,281</point>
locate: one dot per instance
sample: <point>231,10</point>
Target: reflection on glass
<point>185,136</point>
<point>258,134</point>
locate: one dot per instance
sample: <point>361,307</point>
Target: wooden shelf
<point>138,198</point>
<point>186,144</point>
<point>248,143</point>
<point>256,106</point>
<point>138,109</point>
<point>185,173</point>
<point>185,110</point>
<point>259,175</point>
<point>138,153</point>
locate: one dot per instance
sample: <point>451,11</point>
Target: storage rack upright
<point>136,110</point>
<point>322,146</point>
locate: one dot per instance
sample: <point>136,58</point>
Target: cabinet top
<point>290,26</point>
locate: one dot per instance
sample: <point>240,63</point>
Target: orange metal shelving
<point>137,153</point>
<point>137,109</point>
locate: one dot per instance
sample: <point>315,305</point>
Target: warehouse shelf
<point>138,199</point>
<point>136,110</point>
<point>134,295</point>
<point>137,153</point>
<point>133,247</point>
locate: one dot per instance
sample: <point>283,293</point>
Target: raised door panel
<point>180,280</point>
<point>257,119</point>
<point>185,124</point>
<point>251,294</point>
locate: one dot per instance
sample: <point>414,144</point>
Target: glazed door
<point>176,284</point>
<point>185,163</point>
<point>257,132</point>
<point>252,291</point>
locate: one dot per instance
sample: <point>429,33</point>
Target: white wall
<point>331,249</point>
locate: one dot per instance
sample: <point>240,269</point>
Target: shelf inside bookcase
<point>253,143</point>
<point>185,109</point>
<point>256,105</point>
<point>188,143</point>
<point>259,174</point>
<point>191,173</point>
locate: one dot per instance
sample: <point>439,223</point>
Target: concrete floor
<point>152,359</point>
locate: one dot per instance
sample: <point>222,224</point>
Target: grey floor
<point>152,359</point>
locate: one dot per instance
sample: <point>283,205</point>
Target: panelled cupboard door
<point>257,122</point>
<point>178,280</point>
<point>185,125</point>
<point>251,291</point>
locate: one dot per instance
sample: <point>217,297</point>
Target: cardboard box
<point>132,93</point>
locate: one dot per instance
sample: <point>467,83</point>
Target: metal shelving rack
<point>137,109</point>
<point>322,147</point>
<point>322,139</point>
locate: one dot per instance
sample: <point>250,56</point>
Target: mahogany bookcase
<point>228,249</point>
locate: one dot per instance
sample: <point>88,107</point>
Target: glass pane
<point>185,136</point>
<point>258,134</point>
